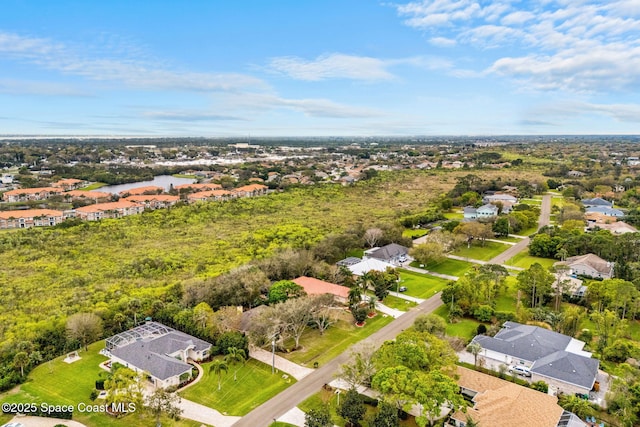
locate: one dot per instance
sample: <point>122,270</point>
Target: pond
<point>164,181</point>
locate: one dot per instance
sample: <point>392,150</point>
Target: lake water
<point>163,181</point>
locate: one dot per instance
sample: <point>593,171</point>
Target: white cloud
<point>129,71</point>
<point>628,113</point>
<point>443,41</point>
<point>332,66</point>
<point>188,116</point>
<point>28,87</point>
<point>573,45</point>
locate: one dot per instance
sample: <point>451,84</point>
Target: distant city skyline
<point>320,68</point>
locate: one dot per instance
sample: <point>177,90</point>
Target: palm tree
<point>235,355</point>
<point>217,367</point>
<point>21,361</point>
<point>475,349</point>
<point>355,296</point>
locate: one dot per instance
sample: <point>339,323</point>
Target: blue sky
<point>319,67</point>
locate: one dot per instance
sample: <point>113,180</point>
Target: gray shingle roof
<point>524,341</point>
<point>568,367</point>
<point>390,251</point>
<point>138,354</point>
<point>597,201</point>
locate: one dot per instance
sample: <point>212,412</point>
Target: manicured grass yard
<point>454,215</point>
<point>463,328</point>
<point>255,386</point>
<point>509,239</point>
<point>452,267</point>
<point>524,260</point>
<point>421,285</point>
<point>57,382</point>
<point>398,303</point>
<point>414,233</point>
<point>480,252</point>
<point>93,186</point>
<point>323,348</point>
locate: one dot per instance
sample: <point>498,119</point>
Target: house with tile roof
<point>590,265</point>
<point>250,190</point>
<point>68,184</point>
<point>617,228</point>
<point>159,352</point>
<point>150,189</point>
<point>210,195</point>
<point>499,403</point>
<point>109,210</point>
<point>30,194</point>
<point>30,218</point>
<point>154,201</point>
<point>314,286</point>
<point>558,360</point>
<point>97,196</point>
<point>197,187</point>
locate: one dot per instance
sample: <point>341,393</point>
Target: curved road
<point>545,215</point>
<point>264,414</point>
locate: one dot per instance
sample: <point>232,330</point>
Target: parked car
<point>520,370</point>
<point>402,289</point>
<point>402,258</point>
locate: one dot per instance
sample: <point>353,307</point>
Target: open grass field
<point>454,215</point>
<point>255,385</point>
<point>509,239</point>
<point>60,383</point>
<point>398,303</point>
<point>451,267</point>
<point>421,285</point>
<point>325,397</point>
<point>480,252</point>
<point>323,348</point>
<point>93,186</point>
<point>463,328</point>
<point>524,260</point>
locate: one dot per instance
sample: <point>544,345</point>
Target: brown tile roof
<point>500,403</point>
<point>142,190</point>
<point>207,194</point>
<point>29,213</point>
<point>318,287</point>
<point>120,204</point>
<point>204,186</point>
<point>68,181</point>
<point>33,190</point>
<point>88,194</point>
<point>251,187</point>
<point>149,197</point>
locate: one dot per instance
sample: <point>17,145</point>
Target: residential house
<point>30,194</point>
<point>392,253</point>
<point>575,174</point>
<point>617,213</point>
<point>469,212</point>
<point>597,201</point>
<point>30,218</point>
<point>6,178</point>
<point>109,210</point>
<point>500,403</point>
<point>69,184</point>
<point>617,228</point>
<point>154,201</point>
<point>157,351</point>
<point>96,196</point>
<point>197,187</point>
<point>589,265</point>
<point>348,261</point>
<point>487,211</point>
<point>314,286</point>
<point>554,358</point>
<point>369,264</point>
<point>250,190</point>
<point>215,195</point>
<point>150,189</point>
<point>500,197</point>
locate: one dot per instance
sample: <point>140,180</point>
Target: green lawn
<point>509,239</point>
<point>531,201</point>
<point>454,215</point>
<point>463,328</point>
<point>355,253</point>
<point>398,303</point>
<point>507,301</point>
<point>480,252</point>
<point>188,176</point>
<point>524,260</point>
<point>93,186</point>
<point>452,267</point>
<point>255,385</point>
<point>330,398</point>
<point>414,233</point>
<point>57,382</point>
<point>421,285</point>
<point>528,231</point>
<point>323,348</point>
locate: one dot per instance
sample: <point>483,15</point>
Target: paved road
<point>264,414</point>
<point>545,214</point>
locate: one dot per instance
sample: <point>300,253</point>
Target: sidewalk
<point>388,310</point>
<point>203,414</point>
<point>406,297</point>
<point>296,371</point>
